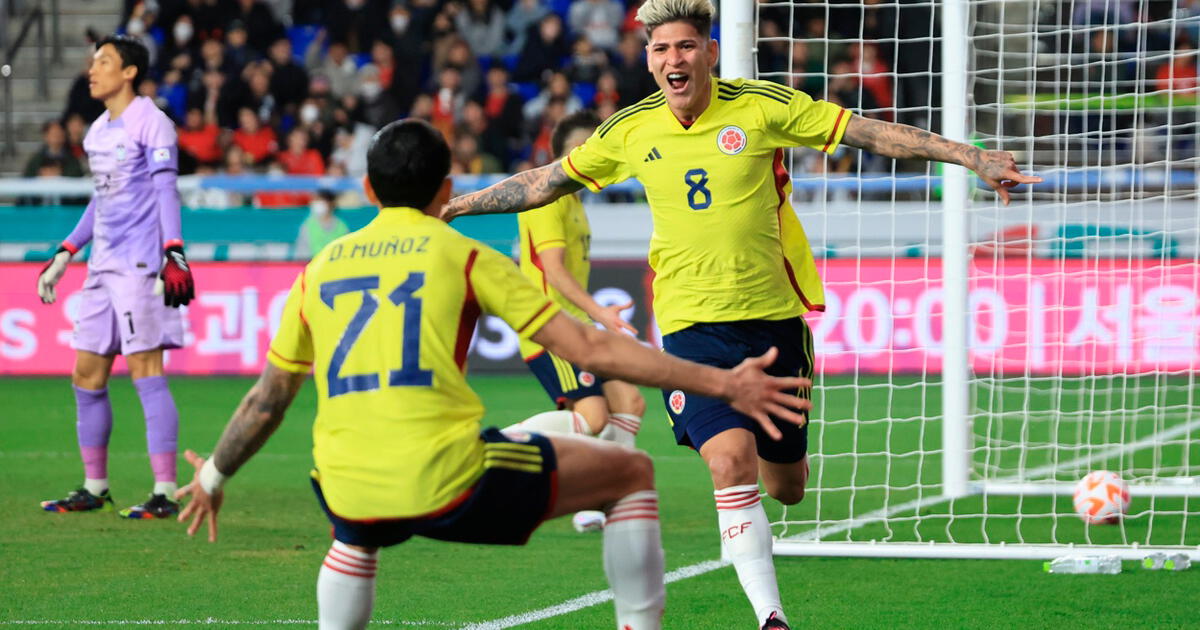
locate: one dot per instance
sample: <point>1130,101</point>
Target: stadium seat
<point>301,36</point>
<point>586,93</point>
<point>528,90</point>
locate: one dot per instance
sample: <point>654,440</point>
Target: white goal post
<point>976,360</point>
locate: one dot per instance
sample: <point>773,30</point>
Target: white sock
<point>622,428</point>
<point>96,486</point>
<point>633,561</point>
<point>746,539</point>
<point>555,422</point>
<point>166,488</point>
<point>346,588</point>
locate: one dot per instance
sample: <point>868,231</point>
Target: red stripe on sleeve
<point>280,356</point>
<point>572,165</point>
<point>534,318</point>
<point>468,316</point>
<point>175,242</point>
<point>833,134</point>
<point>70,247</point>
<point>302,290</point>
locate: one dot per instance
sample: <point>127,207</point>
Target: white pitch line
<point>591,599</point>
<point>208,621</point>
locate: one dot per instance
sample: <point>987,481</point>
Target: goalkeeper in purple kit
<point>137,278</point>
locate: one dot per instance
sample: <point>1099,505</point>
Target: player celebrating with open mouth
<point>733,268</point>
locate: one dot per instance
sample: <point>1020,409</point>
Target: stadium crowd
<point>252,92</point>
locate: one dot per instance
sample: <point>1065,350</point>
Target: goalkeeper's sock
<point>162,426</point>
<point>622,428</point>
<point>346,588</point>
<point>633,561</point>
<point>746,539</point>
<point>555,422</point>
<point>93,426</point>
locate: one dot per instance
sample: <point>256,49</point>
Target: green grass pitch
<point>65,570</point>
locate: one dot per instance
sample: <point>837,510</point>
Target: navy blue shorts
<point>562,380</point>
<point>696,419</point>
<point>503,508</point>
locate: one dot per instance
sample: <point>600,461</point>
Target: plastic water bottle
<point>1173,562</point>
<point>1108,565</point>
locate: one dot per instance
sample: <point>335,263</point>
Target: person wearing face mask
<point>138,27</point>
<point>377,106</point>
<point>180,41</point>
<point>321,228</point>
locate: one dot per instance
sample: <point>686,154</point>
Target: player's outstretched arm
<point>997,168</point>
<point>566,284</point>
<point>524,191</point>
<point>255,419</point>
<point>747,387</point>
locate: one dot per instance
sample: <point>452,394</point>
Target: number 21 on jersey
<point>410,373</point>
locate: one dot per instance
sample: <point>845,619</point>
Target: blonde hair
<point>698,13</point>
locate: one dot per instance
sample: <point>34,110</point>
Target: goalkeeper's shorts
<point>512,498</point>
<point>696,419</point>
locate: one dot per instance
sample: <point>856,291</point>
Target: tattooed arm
<point>523,191</point>
<point>255,420</point>
<point>998,169</point>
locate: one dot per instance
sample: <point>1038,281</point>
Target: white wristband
<point>211,479</point>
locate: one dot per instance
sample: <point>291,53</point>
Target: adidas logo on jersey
<point>653,155</point>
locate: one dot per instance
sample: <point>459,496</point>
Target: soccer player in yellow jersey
<point>383,318</point>
<point>734,271</point>
<point>555,245</point>
<point>555,249</point>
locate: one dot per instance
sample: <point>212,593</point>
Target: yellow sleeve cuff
<point>569,168</point>
<point>288,365</point>
<point>554,243</point>
<point>839,130</point>
<point>539,319</point>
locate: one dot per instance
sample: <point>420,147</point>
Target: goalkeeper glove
<point>51,274</point>
<point>176,276</point>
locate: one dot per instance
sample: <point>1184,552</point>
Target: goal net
<point>974,361</point>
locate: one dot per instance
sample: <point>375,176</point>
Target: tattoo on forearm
<point>256,418</point>
<point>903,141</point>
<point>523,191</point>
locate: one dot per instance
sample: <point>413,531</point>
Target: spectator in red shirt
<point>280,198</point>
<point>256,139</point>
<point>201,138</point>
<point>299,159</point>
<point>1179,75</point>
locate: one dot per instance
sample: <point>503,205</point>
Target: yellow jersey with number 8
<point>727,245</point>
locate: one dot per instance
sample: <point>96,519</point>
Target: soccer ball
<point>1101,498</point>
<point>588,521</point>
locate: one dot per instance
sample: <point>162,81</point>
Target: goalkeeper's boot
<point>775,623</point>
<point>81,501</point>
<point>158,506</point>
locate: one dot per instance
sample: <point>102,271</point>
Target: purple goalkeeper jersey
<point>135,209</point>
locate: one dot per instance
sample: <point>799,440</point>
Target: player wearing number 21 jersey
<point>383,318</point>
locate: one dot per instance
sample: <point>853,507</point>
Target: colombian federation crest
<point>587,379</point>
<point>676,401</point>
<point>731,140</point>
